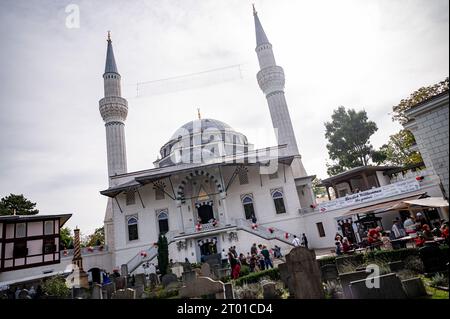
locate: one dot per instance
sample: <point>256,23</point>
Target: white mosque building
<point>209,182</point>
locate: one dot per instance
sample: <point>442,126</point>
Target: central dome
<point>202,136</point>
<point>200,126</point>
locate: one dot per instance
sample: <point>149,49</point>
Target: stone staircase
<point>264,232</point>
<point>142,257</point>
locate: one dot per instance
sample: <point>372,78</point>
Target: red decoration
<point>419,178</point>
<point>254,226</point>
<point>286,235</point>
<point>313,206</point>
<point>65,252</point>
<point>90,249</point>
<point>198,227</point>
<point>271,230</point>
<point>143,254</point>
<point>215,223</point>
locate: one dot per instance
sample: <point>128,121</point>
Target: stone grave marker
<point>140,280</point>
<point>414,287</point>
<point>269,290</point>
<point>177,270</point>
<point>167,279</point>
<point>205,270</point>
<point>304,274</point>
<point>201,287</point>
<point>346,278</point>
<point>109,290</point>
<point>96,292</point>
<point>124,270</point>
<point>329,272</point>
<point>285,276</point>
<point>124,294</point>
<point>229,292</point>
<point>188,276</point>
<point>390,287</point>
<point>23,294</point>
<point>153,279</point>
<point>121,282</point>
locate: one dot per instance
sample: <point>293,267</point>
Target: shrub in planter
<point>56,286</point>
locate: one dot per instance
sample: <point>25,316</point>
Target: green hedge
<point>273,274</point>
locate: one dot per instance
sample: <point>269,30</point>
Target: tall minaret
<point>271,81</point>
<point>114,110</point>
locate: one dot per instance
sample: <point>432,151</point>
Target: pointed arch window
<point>163,221</point>
<point>132,223</point>
<point>247,203</point>
<point>278,200</point>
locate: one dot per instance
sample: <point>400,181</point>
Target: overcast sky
<point>359,54</point>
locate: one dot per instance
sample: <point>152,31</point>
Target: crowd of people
<point>417,228</point>
<point>22,293</point>
<point>259,258</point>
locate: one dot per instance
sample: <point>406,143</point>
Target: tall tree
<point>97,238</point>
<point>348,136</point>
<point>318,190</point>
<point>163,255</point>
<point>17,203</point>
<point>66,238</point>
<point>398,149</point>
<point>420,95</point>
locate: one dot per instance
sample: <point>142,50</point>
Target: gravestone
<point>124,270</point>
<point>304,274</point>
<point>140,280</point>
<point>121,282</point>
<point>124,294</point>
<point>390,287</point>
<point>269,291</point>
<point>395,266</point>
<point>188,276</point>
<point>187,267</point>
<point>414,287</point>
<point>432,258</point>
<point>329,272</point>
<point>139,291</point>
<point>285,277</point>
<point>153,279</point>
<point>205,270</point>
<point>96,292</point>
<point>346,278</point>
<point>201,287</point>
<point>167,279</point>
<point>229,293</point>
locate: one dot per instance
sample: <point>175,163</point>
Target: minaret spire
<point>110,65</point>
<point>261,37</point>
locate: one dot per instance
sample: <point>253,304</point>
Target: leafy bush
<point>249,291</point>
<point>273,274</point>
<point>161,293</point>
<point>439,280</point>
<point>56,286</point>
<point>245,270</point>
<point>414,263</point>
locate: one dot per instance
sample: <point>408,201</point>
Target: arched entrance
<point>96,275</point>
<point>205,213</point>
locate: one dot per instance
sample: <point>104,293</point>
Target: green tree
<point>19,203</point>
<point>66,238</point>
<point>348,136</point>
<point>418,96</point>
<point>163,255</point>
<point>97,238</point>
<point>56,286</point>
<point>398,149</point>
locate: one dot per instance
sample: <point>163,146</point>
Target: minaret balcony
<point>271,79</point>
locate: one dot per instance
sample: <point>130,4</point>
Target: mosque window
<point>163,222</point>
<point>247,202</point>
<point>278,200</point>
<point>320,229</point>
<point>130,197</point>
<point>132,228</point>
<point>243,176</point>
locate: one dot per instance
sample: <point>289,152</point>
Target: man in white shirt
<point>296,242</point>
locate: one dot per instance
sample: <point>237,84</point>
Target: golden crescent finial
<point>254,10</point>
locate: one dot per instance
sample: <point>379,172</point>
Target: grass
<point>434,292</point>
